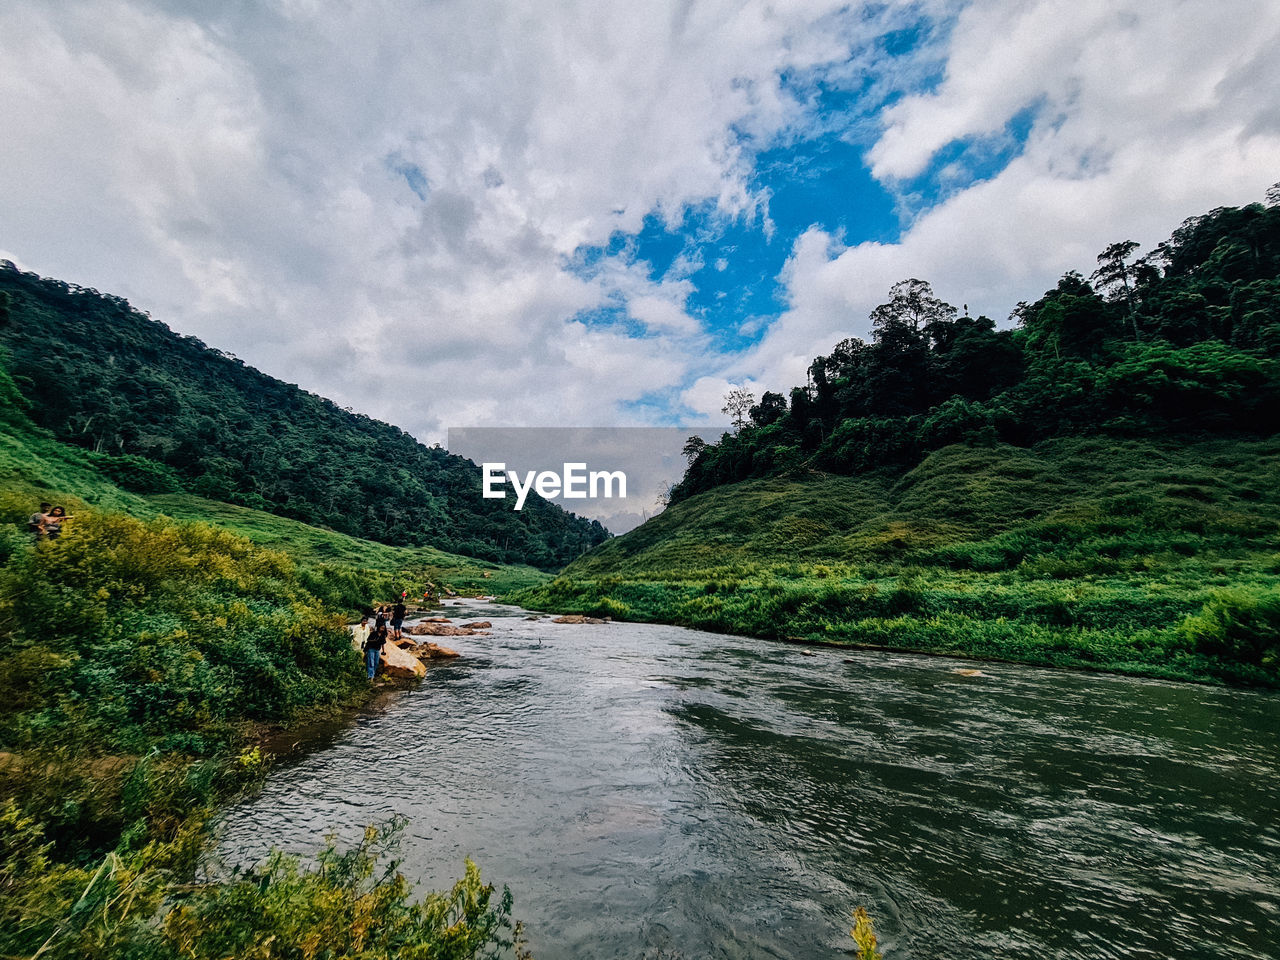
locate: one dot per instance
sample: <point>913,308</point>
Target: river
<point>651,791</point>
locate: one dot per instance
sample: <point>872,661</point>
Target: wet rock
<point>476,625</point>
<point>578,618</point>
<point>400,663</point>
<point>426,651</point>
<point>440,630</point>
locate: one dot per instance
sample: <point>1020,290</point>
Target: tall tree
<point>1114,272</point>
<point>692,447</point>
<point>912,306</point>
<point>737,405</point>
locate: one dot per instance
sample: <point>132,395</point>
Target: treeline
<point>1182,340</point>
<point>164,412</point>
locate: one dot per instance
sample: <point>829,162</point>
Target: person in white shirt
<point>360,633</point>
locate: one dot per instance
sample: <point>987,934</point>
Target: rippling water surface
<point>653,791</point>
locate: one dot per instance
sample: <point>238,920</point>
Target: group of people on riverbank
<point>46,523</point>
<point>388,624</point>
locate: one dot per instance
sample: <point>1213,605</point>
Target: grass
<point>140,656</point>
<point>35,467</point>
<point>1149,557</point>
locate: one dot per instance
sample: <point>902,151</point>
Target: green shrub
<point>1239,627</point>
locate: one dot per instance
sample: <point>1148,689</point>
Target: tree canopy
<point>1185,339</point>
<point>165,412</point>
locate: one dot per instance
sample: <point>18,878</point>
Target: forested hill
<point>165,412</point>
<point>1181,341</point>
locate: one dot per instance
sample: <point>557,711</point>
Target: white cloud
<point>244,173</point>
<point>1147,115</point>
<point>382,200</point>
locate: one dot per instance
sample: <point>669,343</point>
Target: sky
<point>457,214</point>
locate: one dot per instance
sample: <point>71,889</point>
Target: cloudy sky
<point>467,213</point>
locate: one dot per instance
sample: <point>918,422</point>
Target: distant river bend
<point>654,791</point>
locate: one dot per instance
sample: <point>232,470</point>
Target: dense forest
<point>1184,340</point>
<point>163,412</point>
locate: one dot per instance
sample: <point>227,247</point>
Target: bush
<point>1239,627</point>
<point>137,473</point>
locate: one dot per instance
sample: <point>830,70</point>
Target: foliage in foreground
<point>136,658</point>
<point>344,904</point>
<point>864,935</point>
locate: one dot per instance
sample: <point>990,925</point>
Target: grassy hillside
<point>138,655</point>
<point>1147,556</point>
<point>161,412</point>
<point>34,466</point>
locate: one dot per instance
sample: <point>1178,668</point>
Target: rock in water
<point>401,663</point>
<point>477,625</point>
<point>578,618</point>
<point>439,630</point>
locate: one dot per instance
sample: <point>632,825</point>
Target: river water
<point>651,791</point>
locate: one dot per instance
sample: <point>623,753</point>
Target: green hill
<point>160,412</point>
<point>1095,488</point>
<point>34,466</point>
<point>1141,556</point>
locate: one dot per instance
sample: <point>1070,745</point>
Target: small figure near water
<point>373,645</point>
<point>47,524</point>
<point>397,619</point>
<point>54,521</point>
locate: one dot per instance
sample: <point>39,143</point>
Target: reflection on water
<point>648,790</point>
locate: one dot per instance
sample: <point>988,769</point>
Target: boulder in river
<point>579,618</point>
<point>425,651</point>
<point>440,630</point>
<point>476,625</point>
<point>401,663</point>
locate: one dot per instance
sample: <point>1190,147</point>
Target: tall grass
<point>1137,556</point>
<point>136,658</point>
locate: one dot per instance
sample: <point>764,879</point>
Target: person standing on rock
<point>373,649</point>
<point>397,619</point>
<point>360,633</point>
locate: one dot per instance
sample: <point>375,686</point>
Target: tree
<point>913,306</point>
<point>1114,271</point>
<point>737,405</point>
<point>693,447</point>
<point>771,408</point>
<point>1273,195</point>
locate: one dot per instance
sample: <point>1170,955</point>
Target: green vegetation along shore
<point>1094,488</point>
<point>1145,557</point>
<point>141,660</point>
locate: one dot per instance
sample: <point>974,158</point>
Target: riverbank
<point>1144,629</point>
<point>144,668</point>
<point>1135,555</point>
